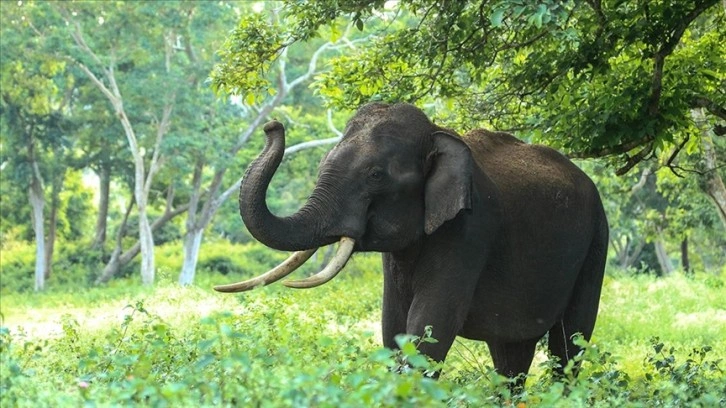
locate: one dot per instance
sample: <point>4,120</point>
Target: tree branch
<point>161,130</point>
<point>634,160</point>
<point>618,149</point>
<point>677,150</point>
<point>665,50</point>
<point>711,106</point>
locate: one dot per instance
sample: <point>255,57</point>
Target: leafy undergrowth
<point>274,347</point>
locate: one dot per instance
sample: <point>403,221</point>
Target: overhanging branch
<point>711,106</point>
<point>611,150</point>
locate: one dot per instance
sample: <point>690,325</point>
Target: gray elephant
<point>482,236</point>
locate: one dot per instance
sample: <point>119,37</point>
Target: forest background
<point>126,126</point>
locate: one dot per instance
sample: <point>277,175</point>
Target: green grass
<point>658,342</point>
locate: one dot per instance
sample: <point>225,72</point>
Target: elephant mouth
<point>336,264</point>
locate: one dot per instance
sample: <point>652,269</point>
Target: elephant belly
<point>498,324</point>
<point>523,307</point>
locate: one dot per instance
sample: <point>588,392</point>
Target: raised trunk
<point>300,231</point>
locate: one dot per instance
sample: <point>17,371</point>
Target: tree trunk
<point>101,221</point>
<point>192,243</point>
<point>113,264</point>
<point>53,223</point>
<point>713,184</point>
<point>685,264</point>
<point>193,234</point>
<point>666,266</point>
<point>146,241</point>
<point>37,203</point>
<point>120,259</point>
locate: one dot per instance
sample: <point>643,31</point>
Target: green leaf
<point>497,17</point>
<point>409,349</point>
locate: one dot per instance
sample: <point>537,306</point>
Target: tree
<point>106,81</point>
<point>37,93</point>
<point>595,78</point>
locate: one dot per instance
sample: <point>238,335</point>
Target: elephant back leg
<point>581,311</point>
<point>513,359</point>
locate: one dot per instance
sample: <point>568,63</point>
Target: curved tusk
<point>280,271</point>
<point>345,249</point>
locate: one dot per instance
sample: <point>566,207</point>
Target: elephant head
<point>392,179</point>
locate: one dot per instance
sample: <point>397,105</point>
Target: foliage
<point>596,78</point>
<point>277,347</point>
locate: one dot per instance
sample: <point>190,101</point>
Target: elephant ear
<point>448,185</point>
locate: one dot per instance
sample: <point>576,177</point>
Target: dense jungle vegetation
<point>125,129</point>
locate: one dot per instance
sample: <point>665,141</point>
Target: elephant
<point>482,236</point>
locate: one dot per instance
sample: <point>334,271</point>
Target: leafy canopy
<point>594,78</point>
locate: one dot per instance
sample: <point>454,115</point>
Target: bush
<point>221,264</point>
<point>17,265</point>
<point>269,359</point>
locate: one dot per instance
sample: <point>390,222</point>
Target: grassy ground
<point>658,342</point>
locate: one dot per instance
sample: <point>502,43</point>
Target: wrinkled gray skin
<point>482,236</point>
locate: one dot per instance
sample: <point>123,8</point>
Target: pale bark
<point>192,243</point>
<point>627,254</point>
<point>666,266</point>
<point>37,203</point>
<point>120,259</point>
<point>36,196</point>
<point>193,235</point>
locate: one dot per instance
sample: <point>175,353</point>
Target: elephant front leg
<point>444,318</point>
<point>397,299</point>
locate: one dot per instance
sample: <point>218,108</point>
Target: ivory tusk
<point>345,249</point>
<point>280,271</point>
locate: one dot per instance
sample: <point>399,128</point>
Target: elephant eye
<point>375,174</point>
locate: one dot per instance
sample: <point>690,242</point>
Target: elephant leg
<point>513,359</point>
<point>581,311</point>
<point>445,321</point>
<point>396,303</point>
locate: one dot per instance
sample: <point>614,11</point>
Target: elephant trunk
<point>300,231</point>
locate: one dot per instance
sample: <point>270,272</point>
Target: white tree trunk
<point>666,266</point>
<point>37,202</point>
<point>192,243</point>
<point>146,239</point>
